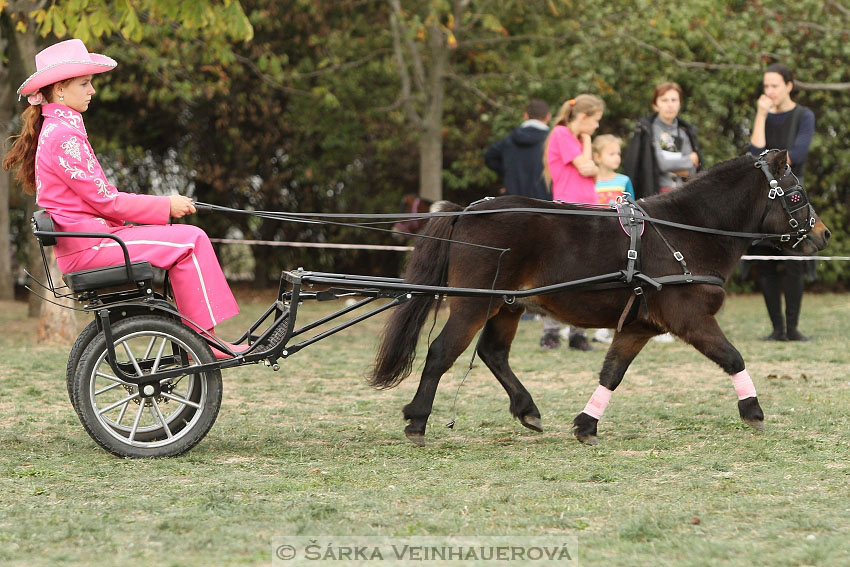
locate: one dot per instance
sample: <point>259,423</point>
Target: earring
<point>61,98</point>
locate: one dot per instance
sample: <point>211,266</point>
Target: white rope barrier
<point>313,244</point>
<point>748,257</point>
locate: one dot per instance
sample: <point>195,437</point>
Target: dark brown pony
<point>546,249</point>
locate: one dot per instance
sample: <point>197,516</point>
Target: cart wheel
<point>127,424</point>
<point>76,353</point>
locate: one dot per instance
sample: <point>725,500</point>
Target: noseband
<point>792,200</point>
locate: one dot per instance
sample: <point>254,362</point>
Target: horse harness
<point>632,220</point>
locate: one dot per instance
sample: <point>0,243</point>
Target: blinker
<point>795,200</point>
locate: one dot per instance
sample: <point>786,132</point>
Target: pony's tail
<point>426,267</point>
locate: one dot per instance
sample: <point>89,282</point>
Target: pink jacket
<point>72,187</point>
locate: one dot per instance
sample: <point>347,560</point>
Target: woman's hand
<point>181,206</point>
<point>764,105</point>
<point>694,159</point>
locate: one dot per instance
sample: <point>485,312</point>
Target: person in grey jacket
<point>664,150</point>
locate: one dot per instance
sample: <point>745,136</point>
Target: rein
<point>389,218</point>
<point>632,218</point>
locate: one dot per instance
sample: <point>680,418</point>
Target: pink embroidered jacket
<point>72,187</point>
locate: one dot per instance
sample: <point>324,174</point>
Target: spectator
<point>569,166</point>
<point>518,157</point>
<point>664,149</point>
<point>781,123</point>
<point>609,183</point>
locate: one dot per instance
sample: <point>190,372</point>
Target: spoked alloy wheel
<point>128,424</point>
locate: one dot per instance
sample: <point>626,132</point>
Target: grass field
<point>677,479</point>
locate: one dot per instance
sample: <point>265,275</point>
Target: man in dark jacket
<point>518,157</point>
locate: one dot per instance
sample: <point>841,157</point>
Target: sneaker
<point>665,338</point>
<point>603,336</point>
<point>579,342</point>
<point>550,342</point>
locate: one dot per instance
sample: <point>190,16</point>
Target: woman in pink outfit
<point>56,162</point>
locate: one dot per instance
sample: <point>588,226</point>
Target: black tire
<point>163,426</point>
<point>74,356</point>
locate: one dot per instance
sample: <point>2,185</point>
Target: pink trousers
<point>184,250</point>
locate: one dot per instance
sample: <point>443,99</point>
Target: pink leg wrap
<point>744,386</point>
<point>598,402</point>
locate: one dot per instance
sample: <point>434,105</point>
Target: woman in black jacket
<point>783,124</point>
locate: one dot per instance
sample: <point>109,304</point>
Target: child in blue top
<point>609,186</point>
<point>609,183</point>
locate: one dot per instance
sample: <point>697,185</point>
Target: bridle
<point>792,200</point>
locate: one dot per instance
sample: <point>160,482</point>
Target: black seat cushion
<point>88,280</point>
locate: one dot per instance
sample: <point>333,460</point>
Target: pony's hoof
<point>757,424</point>
<point>588,439</point>
<point>417,438</point>
<point>532,423</point>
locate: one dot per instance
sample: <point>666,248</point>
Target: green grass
<point>310,450</point>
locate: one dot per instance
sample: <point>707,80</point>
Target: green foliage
<point>93,19</point>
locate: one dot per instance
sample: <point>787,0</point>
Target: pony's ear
<point>780,162</point>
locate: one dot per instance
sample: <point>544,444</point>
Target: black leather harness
<point>633,221</point>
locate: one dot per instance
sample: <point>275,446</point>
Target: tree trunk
<point>7,289</point>
<point>431,163</point>
<point>57,325</point>
<point>431,137</point>
<point>20,50</point>
<point>34,263</point>
<point>7,110</point>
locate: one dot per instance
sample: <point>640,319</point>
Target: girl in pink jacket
<point>568,160</point>
<point>56,162</point>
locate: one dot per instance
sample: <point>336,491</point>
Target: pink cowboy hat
<point>65,60</point>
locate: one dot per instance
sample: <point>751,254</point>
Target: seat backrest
<point>41,221</point>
